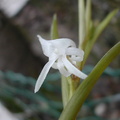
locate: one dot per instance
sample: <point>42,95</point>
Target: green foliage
<point>97,32</point>
<point>54,28</point>
<point>84,89</point>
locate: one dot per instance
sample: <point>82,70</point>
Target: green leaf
<point>97,33</point>
<point>72,108</point>
<point>54,28</point>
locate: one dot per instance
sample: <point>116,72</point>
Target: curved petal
<point>72,69</point>
<point>76,54</point>
<point>75,58</point>
<point>47,47</point>
<point>62,69</point>
<point>55,63</point>
<point>62,43</point>
<point>43,74</point>
<point>74,51</point>
<point>55,66</point>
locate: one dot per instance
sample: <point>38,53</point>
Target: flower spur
<point>63,55</point>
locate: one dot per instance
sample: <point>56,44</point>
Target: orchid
<point>63,55</point>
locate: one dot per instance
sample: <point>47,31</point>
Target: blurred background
<point>21,60</point>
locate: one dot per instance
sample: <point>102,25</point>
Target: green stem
<point>65,90</point>
<point>87,24</point>
<point>73,84</point>
<point>88,15</point>
<point>71,110</point>
<point>81,15</point>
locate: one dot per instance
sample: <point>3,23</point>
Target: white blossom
<point>63,55</point>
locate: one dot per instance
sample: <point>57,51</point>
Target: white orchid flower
<point>63,55</point>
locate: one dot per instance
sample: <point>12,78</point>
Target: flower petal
<point>62,69</point>
<point>76,54</point>
<point>72,69</point>
<point>62,43</point>
<point>43,74</point>
<point>46,46</point>
<point>55,65</point>
<point>75,58</point>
